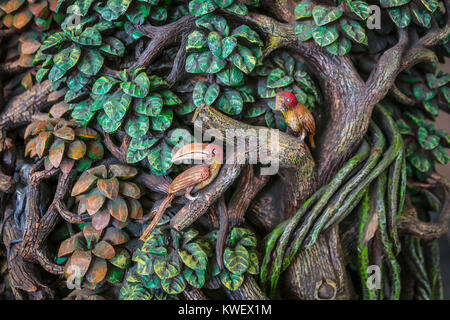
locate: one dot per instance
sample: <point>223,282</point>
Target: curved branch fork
<point>38,228</point>
<point>410,224</point>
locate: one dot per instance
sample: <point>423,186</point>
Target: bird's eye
<point>288,99</point>
<point>214,151</point>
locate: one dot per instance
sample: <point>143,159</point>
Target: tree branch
<point>163,36</point>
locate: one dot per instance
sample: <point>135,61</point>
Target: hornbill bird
<point>192,179</point>
<point>296,116</point>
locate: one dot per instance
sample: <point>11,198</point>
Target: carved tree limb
<point>163,36</point>
<point>21,108</point>
<point>410,224</point>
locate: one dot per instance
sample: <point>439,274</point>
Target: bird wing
<point>307,119</point>
<point>189,177</point>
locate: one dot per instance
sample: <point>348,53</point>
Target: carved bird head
<point>207,153</point>
<point>284,101</point>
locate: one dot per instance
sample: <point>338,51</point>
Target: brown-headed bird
<point>296,116</point>
<point>192,179</point>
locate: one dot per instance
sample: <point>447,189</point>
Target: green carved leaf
<point>421,163</point>
<point>67,58</point>
<point>431,107</point>
<point>113,46</point>
<point>118,6</point>
<point>303,9</point>
<point>243,237</point>
<point>278,79</point>
<point>324,15</point>
<point>193,256</point>
<point>150,105</point>
<point>138,87</point>
<point>160,159</point>
<point>427,141</point>
<point>173,285</point>
<point>255,111</point>
<point>82,114</point>
<point>91,62</point>
<point>166,269</point>
<point>243,59</point>
<point>230,280</point>
<point>77,81</point>
<point>204,62</point>
<point>197,41</point>
<point>304,29</point>
<point>169,98</point>
<point>231,76</point>
<point>440,154</point>
<point>248,34</point>
<point>162,121</point>
<point>421,17</point>
<point>354,31</point>
<point>116,105</point>
<point>108,125</point>
<point>400,16</point>
<point>198,95</point>
<point>89,37</point>
<point>137,126</point>
<point>199,8</point>
<point>230,102</point>
<point>238,8</point>
<point>195,278</point>
<point>223,3</point>
<point>340,47</point>
<point>237,260</point>
<point>393,3</point>
<point>103,85</point>
<point>404,128</point>
<point>360,8</point>
<point>220,47</point>
<point>54,40</point>
<point>138,14</point>
<point>436,82</point>
<point>159,14</point>
<point>430,5</point>
<point>143,142</point>
<point>214,23</point>
<point>325,35</point>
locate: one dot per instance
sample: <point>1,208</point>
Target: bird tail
<point>162,208</point>
<point>311,142</point>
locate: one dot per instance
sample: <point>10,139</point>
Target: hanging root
<point>333,202</point>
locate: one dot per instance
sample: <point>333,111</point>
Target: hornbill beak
<point>194,151</point>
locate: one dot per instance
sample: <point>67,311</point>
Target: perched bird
<point>296,116</point>
<point>192,179</point>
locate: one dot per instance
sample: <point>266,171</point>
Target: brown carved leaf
<point>122,171</point>
<point>118,209</point>
<point>84,183</point>
<point>135,210</point>
<point>130,189</point>
<point>56,152</point>
<point>71,244</point>
<point>76,150</point>
<point>109,187</point>
<point>97,271</point>
<point>42,142</point>
<point>86,133</point>
<point>100,220</point>
<point>65,133</point>
<point>94,201</point>
<point>104,250</point>
<point>78,264</point>
<point>115,236</point>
